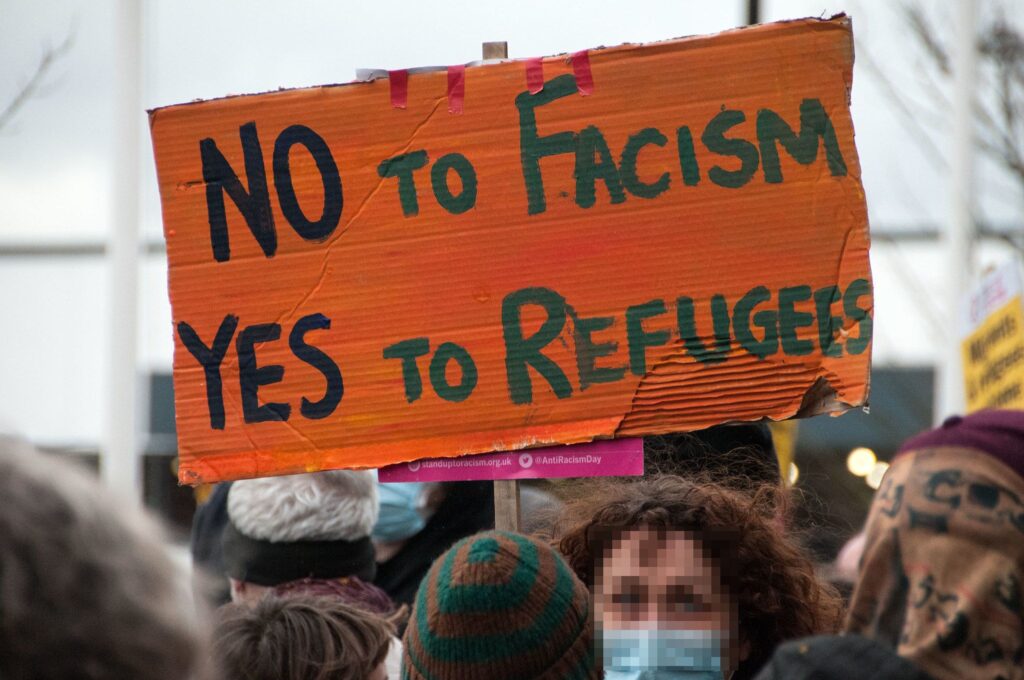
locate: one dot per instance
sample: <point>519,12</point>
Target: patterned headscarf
<point>942,572</point>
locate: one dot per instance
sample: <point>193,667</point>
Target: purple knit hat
<point>999,433</point>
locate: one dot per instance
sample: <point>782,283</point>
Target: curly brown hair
<point>777,595</point>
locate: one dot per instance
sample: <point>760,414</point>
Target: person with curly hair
<point>691,579</point>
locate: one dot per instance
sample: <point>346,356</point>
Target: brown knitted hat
<point>500,606</point>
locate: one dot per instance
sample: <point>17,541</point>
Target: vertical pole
<point>959,236</point>
<point>495,50</point>
<point>753,12</point>
<point>506,504</point>
<point>119,463</point>
<point>506,491</point>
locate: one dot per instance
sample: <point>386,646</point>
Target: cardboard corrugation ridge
<point>383,277</point>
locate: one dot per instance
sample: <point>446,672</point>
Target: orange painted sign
<point>633,240</point>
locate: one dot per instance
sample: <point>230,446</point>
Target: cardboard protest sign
<point>632,240</point>
<point>993,341</point>
<point>604,458</point>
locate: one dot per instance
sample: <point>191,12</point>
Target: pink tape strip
<point>581,69</point>
<point>399,81</point>
<point>535,75</point>
<point>456,88</point>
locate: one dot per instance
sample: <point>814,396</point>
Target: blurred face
<point>405,508</point>
<point>664,581</point>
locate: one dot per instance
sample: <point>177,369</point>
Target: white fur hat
<point>339,505</point>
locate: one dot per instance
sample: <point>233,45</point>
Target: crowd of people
<point>694,571</point>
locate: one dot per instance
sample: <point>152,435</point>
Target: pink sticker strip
<point>535,75</point>
<point>605,458</point>
<point>581,69</point>
<point>456,88</point>
<point>399,81</point>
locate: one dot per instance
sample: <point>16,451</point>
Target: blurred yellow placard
<point>993,343</point>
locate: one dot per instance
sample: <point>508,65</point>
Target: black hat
<point>838,657</point>
<point>314,525</point>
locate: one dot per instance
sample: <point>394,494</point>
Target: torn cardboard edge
<point>818,400</point>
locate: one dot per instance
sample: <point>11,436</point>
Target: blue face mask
<point>662,654</point>
<point>400,516</point>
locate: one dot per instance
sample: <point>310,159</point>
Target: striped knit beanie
<point>500,606</point>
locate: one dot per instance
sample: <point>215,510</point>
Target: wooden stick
<point>506,504</point>
<point>495,50</point>
<point>506,491</point>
